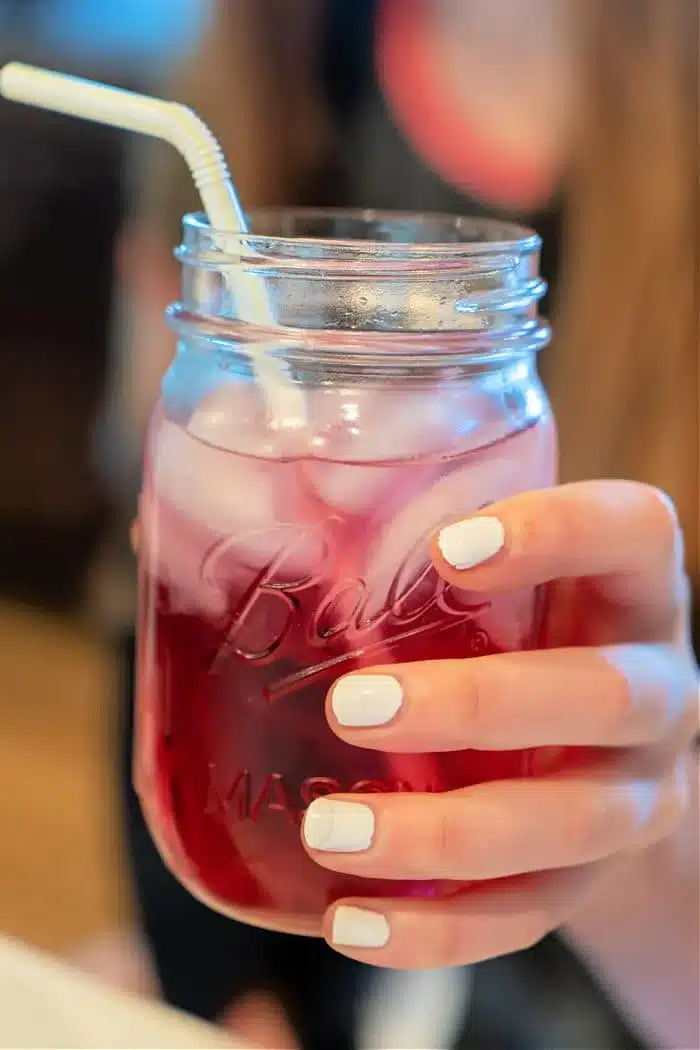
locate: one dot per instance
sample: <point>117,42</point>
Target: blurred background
<point>80,359</point>
<point>63,193</point>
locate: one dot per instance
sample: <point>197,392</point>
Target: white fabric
<point>44,1005</point>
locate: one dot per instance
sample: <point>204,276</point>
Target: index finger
<point>623,537</point>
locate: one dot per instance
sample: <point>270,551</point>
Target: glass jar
<point>276,558</point>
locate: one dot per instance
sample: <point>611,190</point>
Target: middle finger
<point>618,696</point>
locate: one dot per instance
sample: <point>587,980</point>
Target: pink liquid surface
<point>243,633</point>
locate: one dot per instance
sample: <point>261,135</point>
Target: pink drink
<point>264,578</point>
<point>278,554</point>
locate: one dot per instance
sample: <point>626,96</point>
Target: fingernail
<point>366,699</point>
<point>337,826</point>
<point>358,928</point>
<point>471,542</point>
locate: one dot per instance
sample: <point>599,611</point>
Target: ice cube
<point>370,424</point>
<point>402,548</point>
<point>173,549</point>
<point>227,494</point>
<point>401,552</point>
<point>360,433</point>
<point>251,508</point>
<point>352,488</point>
<point>234,418</point>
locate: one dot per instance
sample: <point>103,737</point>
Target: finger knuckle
<point>563,527</point>
<point>645,693</point>
<point>587,825</point>
<point>472,707</point>
<point>672,805</point>
<point>623,708</point>
<point>547,534</point>
<point>448,842</point>
<point>662,517</point>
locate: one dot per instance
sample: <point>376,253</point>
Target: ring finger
<point>490,831</point>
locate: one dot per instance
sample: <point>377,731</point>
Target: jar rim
<point>272,232</point>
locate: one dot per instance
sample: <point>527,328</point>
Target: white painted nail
<point>359,928</point>
<point>471,542</point>
<point>338,827</point>
<point>366,699</point>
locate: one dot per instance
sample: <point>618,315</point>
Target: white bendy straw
<point>183,129</point>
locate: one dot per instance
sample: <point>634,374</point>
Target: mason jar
<point>277,556</point>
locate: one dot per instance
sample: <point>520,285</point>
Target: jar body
<point>269,568</point>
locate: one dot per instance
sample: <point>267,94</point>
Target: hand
<point>616,689</point>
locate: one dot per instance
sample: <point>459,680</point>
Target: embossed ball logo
<point>343,618</point>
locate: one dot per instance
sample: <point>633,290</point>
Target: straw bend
<point>183,129</point>
<point>170,121</point>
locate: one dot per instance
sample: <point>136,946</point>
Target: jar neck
<point>362,285</point>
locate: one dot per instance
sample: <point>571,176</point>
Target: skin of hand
<point>610,703</point>
<point>260,1020</point>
